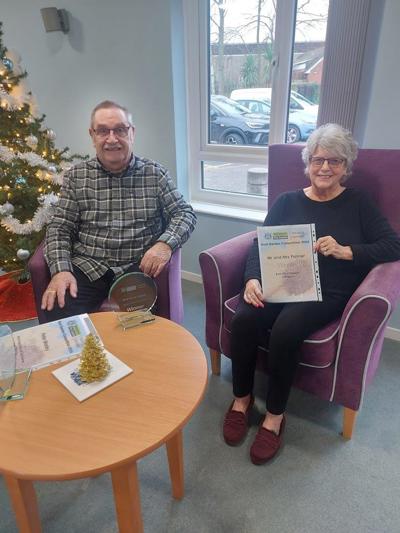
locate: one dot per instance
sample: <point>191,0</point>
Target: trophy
<point>133,295</point>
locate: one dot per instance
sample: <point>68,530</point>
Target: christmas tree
<point>31,167</point>
<point>94,365</point>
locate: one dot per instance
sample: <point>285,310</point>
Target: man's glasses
<point>333,162</point>
<point>120,131</point>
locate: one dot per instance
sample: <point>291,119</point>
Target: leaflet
<point>45,344</point>
<point>289,266</point>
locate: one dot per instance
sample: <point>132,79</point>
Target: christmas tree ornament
<point>6,209</point>
<point>8,63</point>
<point>20,180</point>
<point>31,141</point>
<point>94,365</point>
<point>51,134</point>
<point>52,169</point>
<point>14,56</point>
<point>23,254</point>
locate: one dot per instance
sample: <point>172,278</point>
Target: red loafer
<point>266,444</point>
<point>236,424</point>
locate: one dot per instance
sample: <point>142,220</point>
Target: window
<point>242,63</point>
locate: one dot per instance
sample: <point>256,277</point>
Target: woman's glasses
<point>333,162</point>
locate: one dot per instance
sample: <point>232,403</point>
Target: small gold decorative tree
<point>94,365</point>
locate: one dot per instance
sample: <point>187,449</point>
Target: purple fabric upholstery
<point>339,360</point>
<point>169,289</point>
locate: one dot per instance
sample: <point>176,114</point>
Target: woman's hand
<point>328,246</point>
<point>253,293</point>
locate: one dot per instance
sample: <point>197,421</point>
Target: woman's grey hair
<point>335,139</point>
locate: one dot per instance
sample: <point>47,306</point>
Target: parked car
<point>302,113</point>
<point>302,99</point>
<point>232,123</point>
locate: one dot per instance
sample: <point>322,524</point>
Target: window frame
<point>196,26</point>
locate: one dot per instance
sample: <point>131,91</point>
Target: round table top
<point>51,435</point>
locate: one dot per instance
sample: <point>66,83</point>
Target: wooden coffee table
<point>51,436</point>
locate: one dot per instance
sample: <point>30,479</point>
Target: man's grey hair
<point>109,104</point>
<point>335,139</point>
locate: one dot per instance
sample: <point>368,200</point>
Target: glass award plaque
<point>13,382</point>
<point>133,295</point>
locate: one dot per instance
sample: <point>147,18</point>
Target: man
<point>117,212</point>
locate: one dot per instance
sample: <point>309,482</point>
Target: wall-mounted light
<point>55,19</point>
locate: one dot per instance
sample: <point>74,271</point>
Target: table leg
<point>24,502</point>
<point>175,463</point>
<point>127,498</point>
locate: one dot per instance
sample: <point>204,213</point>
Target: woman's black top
<point>352,220</point>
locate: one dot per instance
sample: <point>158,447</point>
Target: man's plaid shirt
<point>104,221</point>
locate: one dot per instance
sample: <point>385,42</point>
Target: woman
<point>352,237</point>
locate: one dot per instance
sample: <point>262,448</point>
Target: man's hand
<point>329,246</point>
<point>253,293</point>
<point>56,290</point>
<point>155,259</point>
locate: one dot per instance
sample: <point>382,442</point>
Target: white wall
<point>119,50</point>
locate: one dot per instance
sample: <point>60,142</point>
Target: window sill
<point>251,215</point>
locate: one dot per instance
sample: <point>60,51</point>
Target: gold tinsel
<point>94,365</point>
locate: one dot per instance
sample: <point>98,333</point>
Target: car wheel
<point>293,134</point>
<point>233,138</point>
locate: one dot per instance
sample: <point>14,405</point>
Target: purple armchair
<point>169,288</point>
<point>339,360</point>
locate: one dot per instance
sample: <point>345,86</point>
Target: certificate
<point>53,342</point>
<point>289,266</point>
